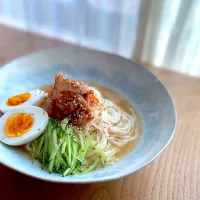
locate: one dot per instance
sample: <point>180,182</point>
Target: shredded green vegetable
<point>64,149</point>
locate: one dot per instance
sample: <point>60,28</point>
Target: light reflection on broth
<point>124,104</point>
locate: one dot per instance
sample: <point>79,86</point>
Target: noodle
<point>114,127</point>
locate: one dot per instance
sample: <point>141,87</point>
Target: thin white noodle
<point>28,147</point>
<point>114,127</point>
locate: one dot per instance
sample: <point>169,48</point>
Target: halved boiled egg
<point>22,125</point>
<point>34,97</point>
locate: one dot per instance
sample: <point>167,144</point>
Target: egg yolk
<point>18,99</point>
<point>18,124</point>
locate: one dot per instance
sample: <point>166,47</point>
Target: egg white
<point>37,96</point>
<point>40,121</point>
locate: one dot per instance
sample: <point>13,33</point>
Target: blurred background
<point>156,33</point>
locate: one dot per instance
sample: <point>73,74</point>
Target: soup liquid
<point>127,107</point>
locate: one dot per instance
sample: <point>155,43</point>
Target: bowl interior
<point>149,97</point>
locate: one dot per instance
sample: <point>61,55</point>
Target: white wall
<point>162,33</point>
<point>99,24</point>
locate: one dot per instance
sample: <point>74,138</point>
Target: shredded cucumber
<point>63,149</point>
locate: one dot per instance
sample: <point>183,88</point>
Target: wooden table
<point>175,174</point>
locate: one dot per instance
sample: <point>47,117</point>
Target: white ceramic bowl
<point>149,96</point>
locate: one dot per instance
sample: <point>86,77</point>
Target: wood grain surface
<point>175,174</point>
